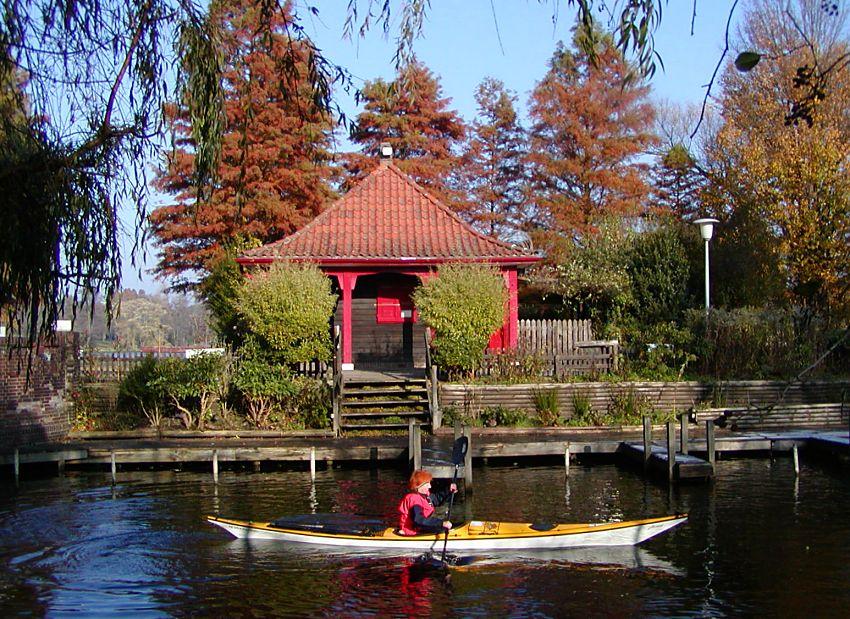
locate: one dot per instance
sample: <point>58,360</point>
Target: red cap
<point>418,478</point>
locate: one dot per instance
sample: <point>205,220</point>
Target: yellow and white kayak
<point>355,532</point>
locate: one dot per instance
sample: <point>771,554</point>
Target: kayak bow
<point>475,535</point>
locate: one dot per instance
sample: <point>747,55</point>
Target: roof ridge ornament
<point>386,152</point>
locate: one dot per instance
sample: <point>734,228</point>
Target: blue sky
<point>461,45</point>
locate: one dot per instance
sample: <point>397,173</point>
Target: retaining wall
<point>35,404</point>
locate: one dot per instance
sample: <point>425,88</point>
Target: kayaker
<point>416,510</point>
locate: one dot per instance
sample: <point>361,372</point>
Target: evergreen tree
<point>493,169</point>
<point>274,166</point>
<point>589,126</point>
<point>411,115</point>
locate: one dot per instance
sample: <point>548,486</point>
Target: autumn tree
<point>274,166</point>
<point>589,127</point>
<point>411,115</point>
<point>789,177</point>
<point>493,171</point>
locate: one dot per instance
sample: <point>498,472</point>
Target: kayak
<point>476,535</point>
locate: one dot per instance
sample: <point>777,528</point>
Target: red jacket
<point>406,524</point>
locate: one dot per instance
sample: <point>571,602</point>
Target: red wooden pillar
<point>512,318</point>
<point>346,283</point>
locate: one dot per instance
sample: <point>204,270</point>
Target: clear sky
<point>465,41</point>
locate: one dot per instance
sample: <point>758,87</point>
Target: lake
<point>759,541</point>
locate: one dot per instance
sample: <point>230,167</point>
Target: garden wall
<point>662,396</point>
<point>37,408</point>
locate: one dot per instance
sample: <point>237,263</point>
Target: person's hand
<point>447,525</point>
<point>453,488</point>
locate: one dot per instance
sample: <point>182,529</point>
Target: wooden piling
<point>467,461</point>
<point>567,459</point>
<point>671,450</point>
<point>17,466</point>
<point>796,460</point>
<point>215,465</point>
<point>647,441</point>
<point>312,464</point>
<point>683,433</point>
<point>711,455</point>
<point>417,446</point>
<point>114,465</point>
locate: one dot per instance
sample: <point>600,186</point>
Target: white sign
<point>63,325</point>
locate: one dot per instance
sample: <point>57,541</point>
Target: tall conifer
<point>275,165</point>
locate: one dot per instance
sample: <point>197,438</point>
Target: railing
<point>337,380</point>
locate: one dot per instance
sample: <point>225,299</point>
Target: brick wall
<point>37,407</point>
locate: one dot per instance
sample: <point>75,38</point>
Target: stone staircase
<point>382,401</point>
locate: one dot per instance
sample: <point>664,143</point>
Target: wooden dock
<point>323,451</point>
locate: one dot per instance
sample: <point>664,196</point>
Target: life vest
<point>406,526</point>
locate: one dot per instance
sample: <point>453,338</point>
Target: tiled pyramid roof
<point>387,218</point>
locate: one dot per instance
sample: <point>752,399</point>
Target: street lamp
<point>706,230</point>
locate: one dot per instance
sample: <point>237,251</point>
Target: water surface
<point>758,542</point>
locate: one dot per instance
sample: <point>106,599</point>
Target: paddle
<point>458,454</point>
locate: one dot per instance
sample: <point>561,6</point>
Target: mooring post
<point>417,446</point>
<point>17,465</point>
<point>671,450</point>
<point>796,460</point>
<point>567,459</point>
<point>410,447</point>
<point>312,464</point>
<point>215,465</point>
<point>60,467</point>
<point>647,441</point>
<point>114,465</point>
<point>467,460</point>
<point>683,433</point>
<point>709,442</point>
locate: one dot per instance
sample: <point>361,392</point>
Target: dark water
<point>758,543</point>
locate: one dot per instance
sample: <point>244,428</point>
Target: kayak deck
<point>475,534</point>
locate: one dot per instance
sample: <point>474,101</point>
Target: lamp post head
<point>386,151</point>
<point>706,227</point>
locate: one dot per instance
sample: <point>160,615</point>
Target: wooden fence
<point>112,367</point>
<point>553,348</point>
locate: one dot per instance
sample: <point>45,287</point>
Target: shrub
<point>264,386</point>
<point>628,408</point>
<point>547,406</point>
<point>501,416</point>
<point>582,410</point>
<point>190,386</point>
<point>287,310</point>
<point>310,406</point>
<point>464,304</point>
<point>140,393</point>
<point>661,351</point>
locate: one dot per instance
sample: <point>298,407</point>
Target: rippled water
<point>758,542</point>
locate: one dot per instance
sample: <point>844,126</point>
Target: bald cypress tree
<point>274,169</point>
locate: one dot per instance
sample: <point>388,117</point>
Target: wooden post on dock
<point>709,442</point>
<point>114,465</point>
<point>312,464</point>
<point>671,450</point>
<point>647,441</point>
<point>683,433</point>
<point>467,461</point>
<point>17,465</point>
<point>417,446</point>
<point>215,465</point>
<point>567,459</point>
<point>796,460</point>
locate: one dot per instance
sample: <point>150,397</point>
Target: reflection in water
<point>76,544</point>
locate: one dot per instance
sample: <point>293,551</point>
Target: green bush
<point>661,351</point>
<point>287,311</point>
<point>547,406</point>
<point>628,408</point>
<point>190,385</point>
<point>659,272</point>
<point>310,406</point>
<point>465,305</point>
<point>755,342</point>
<point>501,416</point>
<point>140,393</point>
<point>264,387</point>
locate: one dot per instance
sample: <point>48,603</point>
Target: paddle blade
<point>459,450</point>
